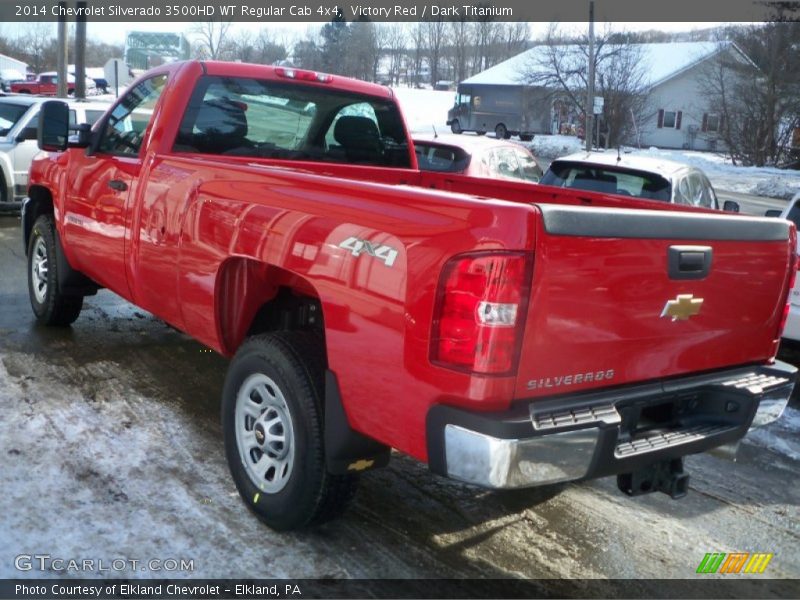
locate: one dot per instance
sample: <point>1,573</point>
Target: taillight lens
<point>480,312</point>
<point>788,307</point>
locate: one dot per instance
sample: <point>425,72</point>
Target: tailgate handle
<point>689,262</point>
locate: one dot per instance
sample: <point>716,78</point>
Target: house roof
<point>660,62</point>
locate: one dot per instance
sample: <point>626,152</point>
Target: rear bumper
<point>606,433</point>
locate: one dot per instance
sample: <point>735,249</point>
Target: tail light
<point>480,312</point>
<point>792,279</point>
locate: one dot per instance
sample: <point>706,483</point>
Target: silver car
<point>19,118</point>
<point>634,175</point>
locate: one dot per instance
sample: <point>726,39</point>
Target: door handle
<point>116,184</point>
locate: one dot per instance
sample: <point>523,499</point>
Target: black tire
<point>293,364</point>
<point>455,126</point>
<point>50,306</point>
<point>3,189</point>
<point>501,133</point>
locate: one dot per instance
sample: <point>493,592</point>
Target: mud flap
<point>70,281</point>
<point>346,450</point>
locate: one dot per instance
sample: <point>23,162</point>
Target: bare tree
<point>213,40</point>
<point>394,42</point>
<point>418,56</point>
<point>434,39</point>
<point>37,46</point>
<point>755,95</point>
<point>561,65</point>
<point>362,50</point>
<point>460,42</point>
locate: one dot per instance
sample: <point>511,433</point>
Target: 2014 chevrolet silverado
<point>508,334</point>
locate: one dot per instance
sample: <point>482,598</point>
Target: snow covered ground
<point>427,109</point>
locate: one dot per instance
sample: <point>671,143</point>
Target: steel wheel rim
<point>39,267</point>
<point>264,433</point>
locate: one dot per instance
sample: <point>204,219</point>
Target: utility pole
<point>80,51</point>
<point>61,51</point>
<point>589,125</point>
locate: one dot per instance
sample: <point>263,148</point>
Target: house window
<point>669,119</point>
<point>712,122</point>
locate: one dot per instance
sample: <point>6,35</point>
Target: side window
<point>530,170</point>
<point>701,193</point>
<point>124,130</point>
<point>507,165</point>
<point>73,119</point>
<point>683,194</point>
<point>92,116</point>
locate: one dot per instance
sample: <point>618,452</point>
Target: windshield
<point>10,114</point>
<point>608,180</point>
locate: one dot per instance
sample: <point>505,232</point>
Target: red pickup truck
<point>45,84</point>
<point>508,334</point>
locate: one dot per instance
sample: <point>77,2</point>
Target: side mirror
<point>53,131</point>
<point>773,212</point>
<point>731,206</point>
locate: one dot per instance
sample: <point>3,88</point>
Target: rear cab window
<point>607,180</point>
<point>238,116</point>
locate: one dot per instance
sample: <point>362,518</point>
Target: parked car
<point>46,84</point>
<point>792,213</point>
<point>19,117</point>
<point>476,156</point>
<point>635,175</point>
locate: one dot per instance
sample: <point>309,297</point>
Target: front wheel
<point>501,133</point>
<point>50,306</point>
<point>273,431</point>
<point>455,126</point>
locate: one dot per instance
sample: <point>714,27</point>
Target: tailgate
<point>622,296</point>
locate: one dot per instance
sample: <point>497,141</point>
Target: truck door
<point>102,185</point>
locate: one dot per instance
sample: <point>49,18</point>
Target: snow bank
<point>781,437</point>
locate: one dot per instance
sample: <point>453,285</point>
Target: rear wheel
<point>455,126</point>
<point>50,306</point>
<point>500,132</point>
<point>273,430</point>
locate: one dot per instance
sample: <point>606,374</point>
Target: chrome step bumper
<point>605,433</point>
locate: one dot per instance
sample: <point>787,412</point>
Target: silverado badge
<point>683,307</point>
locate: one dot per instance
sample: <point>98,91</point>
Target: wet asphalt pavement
<point>111,448</point>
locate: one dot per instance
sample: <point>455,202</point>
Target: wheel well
<point>253,298</point>
<point>40,203</point>
<point>288,311</point>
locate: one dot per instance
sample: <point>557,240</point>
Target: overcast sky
<point>115,32</point>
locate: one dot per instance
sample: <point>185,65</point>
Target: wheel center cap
<point>260,435</point>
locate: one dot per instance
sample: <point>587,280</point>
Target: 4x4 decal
<point>358,247</point>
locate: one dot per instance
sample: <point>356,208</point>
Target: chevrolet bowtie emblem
<point>360,465</point>
<point>683,307</point>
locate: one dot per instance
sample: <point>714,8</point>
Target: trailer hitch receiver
<point>663,476</point>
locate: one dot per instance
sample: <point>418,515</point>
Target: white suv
<point>19,118</point>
